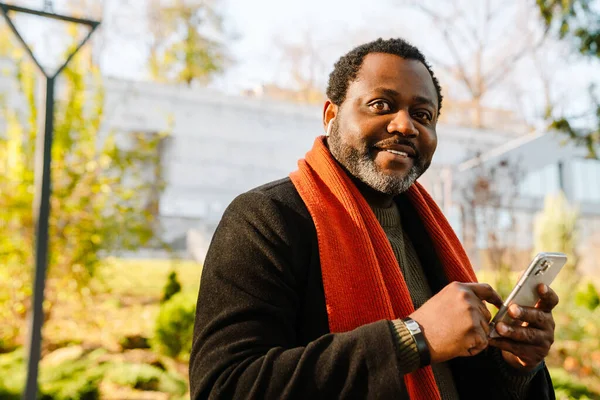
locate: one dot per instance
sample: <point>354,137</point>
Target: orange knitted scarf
<point>362,280</point>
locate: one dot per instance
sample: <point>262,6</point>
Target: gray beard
<point>361,165</point>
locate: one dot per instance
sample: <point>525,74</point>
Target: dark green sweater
<point>420,292</point>
<point>261,324</point>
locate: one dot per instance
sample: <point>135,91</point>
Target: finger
<point>516,322</point>
<point>531,354</point>
<point>515,348</point>
<point>526,335</point>
<point>548,298</point>
<point>512,321</point>
<point>485,325</point>
<point>526,352</point>
<point>479,344</point>
<point>485,292</point>
<point>487,315</point>
<point>473,351</point>
<point>531,316</point>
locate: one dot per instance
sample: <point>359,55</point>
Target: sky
<point>339,25</point>
<point>334,26</point>
<point>255,26</point>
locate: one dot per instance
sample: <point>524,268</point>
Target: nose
<point>403,124</point>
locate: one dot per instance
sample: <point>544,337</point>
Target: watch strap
<point>415,330</point>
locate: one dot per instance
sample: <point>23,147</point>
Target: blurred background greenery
<point>119,327</point>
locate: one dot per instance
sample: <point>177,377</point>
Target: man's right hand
<point>455,322</point>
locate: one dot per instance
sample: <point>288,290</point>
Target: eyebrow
<point>417,99</point>
<point>424,100</point>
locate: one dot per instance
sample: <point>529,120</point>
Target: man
<point>345,280</point>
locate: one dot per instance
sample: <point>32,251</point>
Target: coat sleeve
<point>245,343</point>
<point>488,373</point>
<point>522,385</point>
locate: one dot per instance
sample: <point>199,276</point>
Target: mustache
<point>398,141</point>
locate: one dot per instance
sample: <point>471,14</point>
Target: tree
<point>100,189</point>
<point>185,45</point>
<point>489,219</point>
<point>578,21</point>
<point>484,40</point>
<point>301,71</point>
<point>304,62</point>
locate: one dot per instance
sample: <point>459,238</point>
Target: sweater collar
<point>388,217</point>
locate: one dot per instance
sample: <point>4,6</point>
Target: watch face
<point>413,326</point>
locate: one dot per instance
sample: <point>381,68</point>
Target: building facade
<point>220,146</point>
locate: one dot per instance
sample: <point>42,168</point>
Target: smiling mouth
<point>398,153</point>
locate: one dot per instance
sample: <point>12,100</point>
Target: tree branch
<point>462,73</point>
<point>495,76</point>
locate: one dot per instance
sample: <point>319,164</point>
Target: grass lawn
<point>124,302</point>
<point>148,277</point>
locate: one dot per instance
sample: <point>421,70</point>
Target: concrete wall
<point>221,146</point>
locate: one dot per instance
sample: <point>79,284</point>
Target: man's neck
<point>373,197</point>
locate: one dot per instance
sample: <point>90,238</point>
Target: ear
<point>330,111</point>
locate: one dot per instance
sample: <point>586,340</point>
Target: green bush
<point>577,319</point>
<point>171,288</point>
<point>71,380</point>
<point>588,297</point>
<point>567,386</point>
<point>12,374</point>
<point>175,325</point>
<point>7,394</point>
<point>146,377</point>
<point>556,229</point>
<point>83,386</point>
<point>80,379</point>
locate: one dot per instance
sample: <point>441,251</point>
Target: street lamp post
<point>41,206</point>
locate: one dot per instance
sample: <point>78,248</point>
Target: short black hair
<point>346,68</point>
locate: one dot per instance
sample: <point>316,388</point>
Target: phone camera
<point>543,267</point>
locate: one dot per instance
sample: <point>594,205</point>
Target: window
<point>586,180</point>
<point>541,182</point>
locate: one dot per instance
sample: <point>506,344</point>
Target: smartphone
<point>543,269</point>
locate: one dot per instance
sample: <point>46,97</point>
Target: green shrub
<point>588,297</point>
<point>12,311</point>
<point>577,319</point>
<point>70,380</point>
<point>146,377</point>
<point>12,374</point>
<point>174,325</point>
<point>82,386</point>
<point>567,386</point>
<point>556,229</point>
<point>7,394</point>
<point>562,394</point>
<point>134,342</point>
<point>172,287</point>
<point>8,334</point>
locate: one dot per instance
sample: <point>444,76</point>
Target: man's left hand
<point>527,342</point>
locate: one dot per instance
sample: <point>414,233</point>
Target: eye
<point>423,115</point>
<point>380,106</point>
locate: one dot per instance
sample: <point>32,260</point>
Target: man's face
<point>384,131</point>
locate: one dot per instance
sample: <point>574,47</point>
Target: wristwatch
<point>415,330</point>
